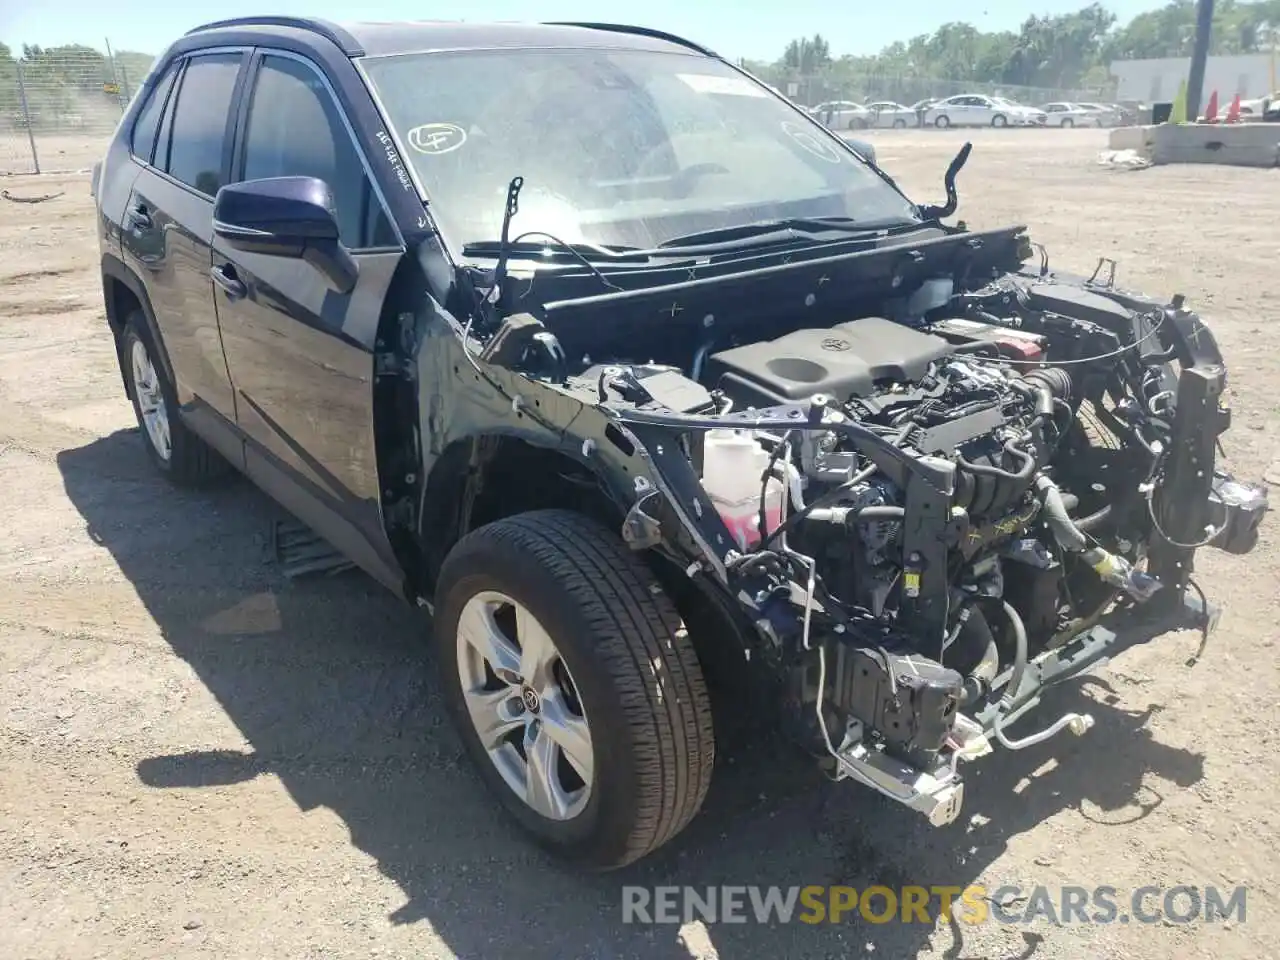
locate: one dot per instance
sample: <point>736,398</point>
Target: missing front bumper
<point>938,792</point>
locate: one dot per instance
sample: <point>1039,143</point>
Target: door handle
<point>140,217</point>
<point>225,277</point>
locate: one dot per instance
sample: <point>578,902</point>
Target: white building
<point>1250,75</point>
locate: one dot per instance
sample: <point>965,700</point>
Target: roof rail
<point>640,32</point>
<point>330,31</point>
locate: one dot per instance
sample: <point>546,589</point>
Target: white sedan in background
<point>1063,114</point>
<point>842,115</point>
<point>1108,116</point>
<point>886,113</point>
<point>978,110</point>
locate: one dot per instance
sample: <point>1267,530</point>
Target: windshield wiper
<point>780,228</point>
<point>552,249</point>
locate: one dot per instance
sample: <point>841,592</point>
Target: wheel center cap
<point>530,699</point>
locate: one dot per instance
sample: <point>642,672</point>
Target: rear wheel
<point>942,121</point>
<point>176,452</point>
<point>857,123</point>
<point>1068,122</point>
<point>574,687</point>
<point>899,124</point>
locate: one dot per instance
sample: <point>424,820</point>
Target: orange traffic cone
<point>1233,111</point>
<point>1211,111</point>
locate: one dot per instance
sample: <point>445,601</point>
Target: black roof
<point>389,38</point>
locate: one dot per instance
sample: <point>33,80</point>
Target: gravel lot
<point>198,758</point>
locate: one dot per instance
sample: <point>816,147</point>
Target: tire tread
<point>636,629</point>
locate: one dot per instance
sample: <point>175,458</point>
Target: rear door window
<point>198,136</point>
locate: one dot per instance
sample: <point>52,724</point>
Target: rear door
<point>300,354</point>
<point>168,230</point>
<point>957,110</point>
<point>978,111</point>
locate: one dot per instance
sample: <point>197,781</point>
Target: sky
<point>756,30</point>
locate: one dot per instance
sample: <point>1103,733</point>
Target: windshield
<point>616,147</point>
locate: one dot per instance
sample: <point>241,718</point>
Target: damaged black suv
<point>650,386</point>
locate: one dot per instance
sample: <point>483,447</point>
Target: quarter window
<point>295,130</point>
<point>143,142</point>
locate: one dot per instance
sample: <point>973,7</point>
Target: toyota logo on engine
<point>836,343</point>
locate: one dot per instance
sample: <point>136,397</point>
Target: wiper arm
<point>521,247</point>
<point>771,228</point>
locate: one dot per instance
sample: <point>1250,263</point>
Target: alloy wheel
<point>524,706</point>
<point>151,405</point>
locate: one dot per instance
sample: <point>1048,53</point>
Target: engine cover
<point>847,360</point>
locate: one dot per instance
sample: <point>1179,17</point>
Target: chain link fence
<point>60,105</point>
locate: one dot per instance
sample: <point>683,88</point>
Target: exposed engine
<point>957,498</point>
<point>920,479</point>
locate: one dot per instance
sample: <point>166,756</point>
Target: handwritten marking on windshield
<point>810,142</point>
<point>437,138</point>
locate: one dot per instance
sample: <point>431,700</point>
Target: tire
<point>999,120</point>
<point>857,124</point>
<point>188,460</point>
<point>630,668</point>
<point>899,124</point>
<point>942,121</point>
<point>1067,122</point>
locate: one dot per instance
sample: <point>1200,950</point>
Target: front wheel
<point>574,686</point>
<point>1068,122</point>
<point>999,120</point>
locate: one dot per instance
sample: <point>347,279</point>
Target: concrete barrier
<point>1241,145</point>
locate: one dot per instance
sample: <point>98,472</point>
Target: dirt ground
<point>200,759</point>
<point>57,152</point>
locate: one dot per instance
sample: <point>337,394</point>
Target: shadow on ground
<point>330,681</point>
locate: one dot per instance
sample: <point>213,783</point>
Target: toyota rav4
<point>648,384</point>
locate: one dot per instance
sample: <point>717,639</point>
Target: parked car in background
<point>978,110</point>
<point>1109,115</point>
<point>1255,109</point>
<point>887,113</point>
<point>1063,114</point>
<point>842,115</point>
<point>1132,112</point>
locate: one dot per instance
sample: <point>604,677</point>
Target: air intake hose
<point>1112,568</point>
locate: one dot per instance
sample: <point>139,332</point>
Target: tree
<point>1067,52</point>
<point>808,55</point>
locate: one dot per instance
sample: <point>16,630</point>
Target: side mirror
<point>286,217</point>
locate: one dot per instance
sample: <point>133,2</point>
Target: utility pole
<point>1199,54</point>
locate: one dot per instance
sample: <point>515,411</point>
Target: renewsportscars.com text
<point>973,904</point>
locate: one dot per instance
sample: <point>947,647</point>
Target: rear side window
<point>144,130</point>
<point>198,137</point>
<point>296,130</point>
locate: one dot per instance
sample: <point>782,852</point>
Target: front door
<point>300,353</point>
